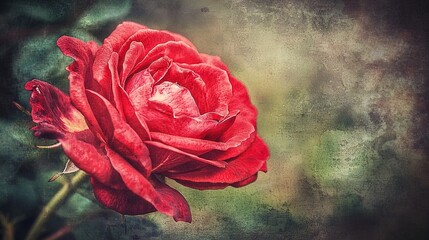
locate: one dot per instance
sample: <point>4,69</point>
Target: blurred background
<point>342,93</point>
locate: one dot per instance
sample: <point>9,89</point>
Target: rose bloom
<point>144,106</point>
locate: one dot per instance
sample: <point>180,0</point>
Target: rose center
<point>171,98</point>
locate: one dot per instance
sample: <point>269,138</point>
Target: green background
<point>342,97</point>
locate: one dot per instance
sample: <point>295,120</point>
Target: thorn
<point>49,146</point>
<point>53,178</point>
<point>21,108</point>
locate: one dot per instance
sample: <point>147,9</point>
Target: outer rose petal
<point>194,127</point>
<point>92,161</point>
<point>122,32</point>
<point>126,202</point>
<point>238,169</point>
<point>51,106</point>
<point>181,38</point>
<point>213,186</point>
<point>240,100</point>
<point>235,141</point>
<point>179,52</point>
<point>246,181</point>
<point>165,157</point>
<point>80,76</point>
<point>150,38</point>
<point>123,201</point>
<point>162,197</point>
<point>120,135</point>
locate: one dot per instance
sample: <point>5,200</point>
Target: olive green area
<point>340,88</point>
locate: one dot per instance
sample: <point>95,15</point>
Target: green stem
<point>54,204</point>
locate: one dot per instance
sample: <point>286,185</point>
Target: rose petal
<point>162,197</point>
<point>264,167</point>
<point>181,38</point>
<point>101,72</point>
<point>239,131</point>
<point>133,54</point>
<point>182,212</point>
<point>52,107</point>
<point>238,169</point>
<point>123,201</point>
<point>191,81</point>
<point>214,60</point>
<point>165,157</point>
<point>214,133</point>
<point>173,99</point>
<point>93,46</point>
<point>240,97</point>
<point>218,89</point>
<point>193,127</point>
<point>123,104</point>
<point>113,67</point>
<point>121,33</point>
<point>178,52</point>
<point>119,134</point>
<point>246,181</point>
<point>236,140</point>
<point>214,186</point>
<point>159,68</point>
<point>241,101</point>
<point>203,185</point>
<point>91,160</point>
<point>80,76</point>
<point>135,121</point>
<point>160,121</point>
<point>149,37</point>
<point>143,82</point>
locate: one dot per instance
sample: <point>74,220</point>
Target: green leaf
<point>104,11</point>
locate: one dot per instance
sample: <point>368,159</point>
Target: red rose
<point>144,106</point>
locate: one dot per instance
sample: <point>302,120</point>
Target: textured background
<point>341,88</point>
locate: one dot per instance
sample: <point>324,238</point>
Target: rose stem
<point>54,203</point>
